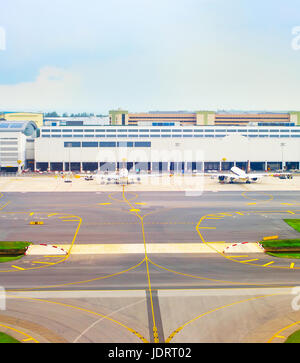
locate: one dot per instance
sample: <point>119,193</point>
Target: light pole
<point>69,147</point>
<point>222,161</point>
<point>19,166</point>
<point>282,144</point>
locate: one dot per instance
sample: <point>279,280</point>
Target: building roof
<point>26,127</point>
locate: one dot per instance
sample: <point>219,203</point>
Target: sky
<point>141,55</point>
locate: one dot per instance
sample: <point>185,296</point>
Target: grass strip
<point>287,248</point>
<point>294,223</point>
<point>283,245</point>
<point>6,245</point>
<point>284,254</point>
<point>4,338</point>
<point>294,337</point>
<point>13,248</point>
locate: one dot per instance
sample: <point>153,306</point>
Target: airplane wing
<point>223,175</point>
<point>101,178</point>
<point>254,175</point>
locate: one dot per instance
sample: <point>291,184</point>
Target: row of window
<point>161,118</point>
<point>107,144</point>
<point>64,131</point>
<point>252,117</point>
<point>167,136</point>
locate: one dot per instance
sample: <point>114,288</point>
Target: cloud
<point>53,88</point>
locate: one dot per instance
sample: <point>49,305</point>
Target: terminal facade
<point>167,143</point>
<point>204,118</point>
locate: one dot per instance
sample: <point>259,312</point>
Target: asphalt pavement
<point>159,297</point>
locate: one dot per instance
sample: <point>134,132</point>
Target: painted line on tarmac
<point>4,205</point>
<point>247,262</point>
<point>18,268</point>
<point>276,335</point>
<point>78,294</point>
<point>152,248</point>
<point>83,310</point>
<point>178,330</point>
<point>28,337</point>
<point>226,292</point>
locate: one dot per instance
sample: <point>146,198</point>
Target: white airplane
<point>120,177</point>
<point>123,176</point>
<point>239,175</point>
<point>112,177</point>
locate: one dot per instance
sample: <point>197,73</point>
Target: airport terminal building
<point>150,146</point>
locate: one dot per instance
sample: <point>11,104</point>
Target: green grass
<point>294,338</point>
<point>284,248</point>
<point>12,250</point>
<point>281,243</point>
<point>4,338</point>
<point>294,223</point>
<point>10,258</point>
<point>6,245</point>
<point>284,254</point>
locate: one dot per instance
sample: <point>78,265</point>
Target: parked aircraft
<point>238,175</point>
<point>118,177</point>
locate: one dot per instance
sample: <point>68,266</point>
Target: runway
<point>149,297</point>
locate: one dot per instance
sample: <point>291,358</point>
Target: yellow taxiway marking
<point>254,259</point>
<point>4,206</point>
<point>239,213</point>
<point>287,203</point>
<point>232,258</point>
<point>27,339</point>
<point>141,219</point>
<point>107,317</point>
<point>67,216</point>
<point>139,203</point>
<point>276,335</point>
<point>31,214</point>
<point>269,263</point>
<point>251,203</point>
<point>104,203</point>
<point>271,197</point>
<point>17,267</point>
<point>288,211</point>
<point>171,336</point>
<point>20,332</point>
<point>70,220</point>
<point>269,237</point>
<point>46,263</point>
